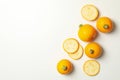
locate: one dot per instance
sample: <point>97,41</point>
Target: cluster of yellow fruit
<point>86,33</point>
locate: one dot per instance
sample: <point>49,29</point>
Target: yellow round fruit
<point>64,66</point>
<point>93,50</point>
<point>104,24</point>
<point>87,33</point>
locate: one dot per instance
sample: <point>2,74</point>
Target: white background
<point>32,32</point>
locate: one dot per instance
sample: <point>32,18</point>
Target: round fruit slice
<point>70,45</point>
<point>78,54</point>
<point>91,67</point>
<point>89,12</point>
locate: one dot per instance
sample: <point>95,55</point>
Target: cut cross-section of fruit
<point>89,12</point>
<point>70,45</point>
<point>91,67</point>
<point>78,54</point>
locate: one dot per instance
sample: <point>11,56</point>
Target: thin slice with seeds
<point>77,55</point>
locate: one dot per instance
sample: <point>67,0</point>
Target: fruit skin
<point>93,50</point>
<point>104,24</point>
<point>64,66</point>
<point>87,33</point>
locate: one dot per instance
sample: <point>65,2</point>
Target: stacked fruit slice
<point>73,48</point>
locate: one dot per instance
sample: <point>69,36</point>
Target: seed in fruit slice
<point>70,45</point>
<point>91,67</point>
<point>89,12</point>
<point>78,54</point>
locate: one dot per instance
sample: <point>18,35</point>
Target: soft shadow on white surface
<point>32,32</point>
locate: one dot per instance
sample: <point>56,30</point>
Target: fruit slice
<point>91,67</point>
<point>89,12</point>
<point>78,54</point>
<point>70,45</point>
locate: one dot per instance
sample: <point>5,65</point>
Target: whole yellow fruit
<point>87,33</point>
<point>93,50</point>
<point>104,24</point>
<point>64,66</point>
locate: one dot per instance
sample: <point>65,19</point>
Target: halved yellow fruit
<point>91,67</point>
<point>89,12</point>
